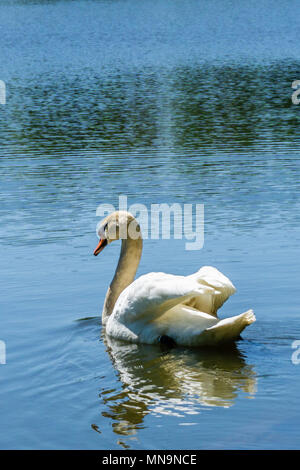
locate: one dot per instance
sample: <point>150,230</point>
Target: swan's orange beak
<point>101,245</point>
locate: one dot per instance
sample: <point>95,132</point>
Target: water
<point>163,102</point>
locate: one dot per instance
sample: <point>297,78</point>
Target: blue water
<point>162,101</point>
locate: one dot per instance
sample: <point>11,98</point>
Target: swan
<point>160,307</point>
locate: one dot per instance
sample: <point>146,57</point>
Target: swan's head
<point>118,225</point>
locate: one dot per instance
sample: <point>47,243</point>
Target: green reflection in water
<point>205,107</point>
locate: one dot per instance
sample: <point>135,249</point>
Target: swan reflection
<point>175,382</point>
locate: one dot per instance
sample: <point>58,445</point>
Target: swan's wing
<point>153,294</point>
<point>211,277</point>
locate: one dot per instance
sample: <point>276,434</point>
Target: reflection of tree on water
<point>173,382</point>
<point>207,107</point>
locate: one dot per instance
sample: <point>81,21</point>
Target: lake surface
<point>161,101</point>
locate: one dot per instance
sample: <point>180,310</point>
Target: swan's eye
<point>105,228</point>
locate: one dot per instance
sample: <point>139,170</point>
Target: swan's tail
<point>228,330</point>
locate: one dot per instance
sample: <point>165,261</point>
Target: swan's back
<point>158,304</point>
<point>223,287</point>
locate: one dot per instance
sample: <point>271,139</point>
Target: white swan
<point>159,306</point>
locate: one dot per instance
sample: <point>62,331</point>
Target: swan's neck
<point>130,256</point>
